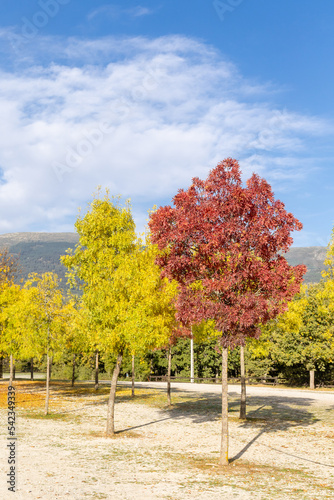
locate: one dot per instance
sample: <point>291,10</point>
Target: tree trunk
<point>111,402</point>
<point>133,376</point>
<point>50,367</point>
<point>1,367</point>
<point>96,370</point>
<point>14,369</point>
<point>311,379</point>
<point>224,437</point>
<point>243,384</point>
<point>47,384</point>
<point>73,370</point>
<point>11,370</point>
<point>191,358</point>
<point>31,368</point>
<point>168,376</point>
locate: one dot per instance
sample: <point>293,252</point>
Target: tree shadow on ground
<point>267,429</point>
<point>281,411</point>
<point>267,414</point>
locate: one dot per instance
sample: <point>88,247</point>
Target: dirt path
<point>284,450</point>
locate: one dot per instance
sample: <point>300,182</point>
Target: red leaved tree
<point>223,242</point>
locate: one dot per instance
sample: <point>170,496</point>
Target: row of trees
<point>212,268</point>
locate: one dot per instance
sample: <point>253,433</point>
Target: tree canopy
<point>128,307</point>
<point>223,244</point>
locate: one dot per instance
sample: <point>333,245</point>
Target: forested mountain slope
<point>40,252</point>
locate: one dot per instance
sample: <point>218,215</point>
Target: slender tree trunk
<point>311,379</point>
<point>243,384</point>
<point>50,367</point>
<point>31,368</point>
<point>168,376</point>
<point>111,403</point>
<point>151,367</point>
<point>224,436</point>
<point>192,358</point>
<point>96,370</point>
<point>133,376</point>
<point>14,370</point>
<point>11,370</point>
<point>1,367</point>
<point>73,370</point>
<point>47,384</point>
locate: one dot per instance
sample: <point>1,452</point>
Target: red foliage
<point>230,239</point>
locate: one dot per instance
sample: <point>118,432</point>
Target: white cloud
<point>310,238</point>
<point>140,116</point>
<point>115,11</point>
<point>140,11</point>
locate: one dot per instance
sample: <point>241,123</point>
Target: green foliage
<point>207,360</point>
<point>142,368</point>
<point>302,338</point>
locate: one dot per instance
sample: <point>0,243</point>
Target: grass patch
<point>51,416</point>
<point>256,478</point>
<point>118,434</point>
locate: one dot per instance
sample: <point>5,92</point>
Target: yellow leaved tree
<point>8,295</point>
<point>128,307</point>
<point>42,317</point>
<point>10,339</point>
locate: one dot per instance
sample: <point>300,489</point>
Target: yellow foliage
<point>126,305</point>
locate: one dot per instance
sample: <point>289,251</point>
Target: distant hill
<point>312,257</point>
<point>40,252</point>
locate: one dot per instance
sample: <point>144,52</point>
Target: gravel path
<point>324,396</point>
<point>285,450</point>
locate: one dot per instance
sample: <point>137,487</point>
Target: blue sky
<point>142,96</point>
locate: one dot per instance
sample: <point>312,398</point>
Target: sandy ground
<point>284,450</point>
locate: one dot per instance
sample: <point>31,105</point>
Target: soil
<point>285,448</point>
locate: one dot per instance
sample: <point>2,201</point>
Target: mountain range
<point>40,252</point>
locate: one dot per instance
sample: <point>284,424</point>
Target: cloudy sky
<point>141,97</point>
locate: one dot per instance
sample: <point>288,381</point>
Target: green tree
<point>304,334</point>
